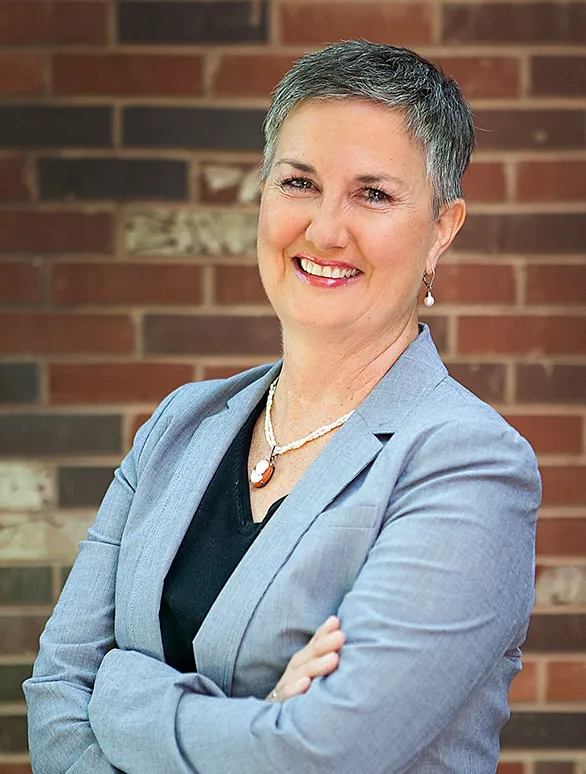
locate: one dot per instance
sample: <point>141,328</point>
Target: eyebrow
<point>367,179</point>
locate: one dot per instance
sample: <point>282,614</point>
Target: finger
<point>331,642</point>
<point>329,625</point>
<point>319,667</point>
<point>294,688</point>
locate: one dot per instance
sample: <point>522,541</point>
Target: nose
<point>327,229</point>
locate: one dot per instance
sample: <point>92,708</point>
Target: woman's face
<point>345,228</point>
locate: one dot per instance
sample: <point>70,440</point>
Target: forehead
<point>351,131</point>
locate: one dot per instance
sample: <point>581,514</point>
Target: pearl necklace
<point>265,468</point>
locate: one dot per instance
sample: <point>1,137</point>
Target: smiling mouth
<point>331,272</point>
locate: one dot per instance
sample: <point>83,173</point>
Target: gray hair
<point>437,116</point>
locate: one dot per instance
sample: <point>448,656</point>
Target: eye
<point>297,184</point>
<point>376,195</point>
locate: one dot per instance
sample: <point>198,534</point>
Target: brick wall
<point>130,135</point>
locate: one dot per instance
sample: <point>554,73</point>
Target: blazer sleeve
<point>80,632</point>
<point>445,590</point>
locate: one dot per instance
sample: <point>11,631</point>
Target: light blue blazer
<point>415,525</point>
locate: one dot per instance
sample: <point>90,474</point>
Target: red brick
<point>487,380</point>
<point>474,284</point>
<point>484,182</point>
<point>225,371</point>
<point>557,76</point>
<point>20,634</point>
<point>21,72</point>
<point>550,181</point>
<point>15,768</point>
<point>524,686</point>
<point>483,76</point>
<point>127,74</point>
<point>20,283</point>
<point>239,285</point>
<point>13,187</point>
<point>566,681</point>
<point>521,335</point>
<point>115,382</point>
<point>559,284</point>
<point>551,383</point>
<point>323,22</point>
<point>46,22</point>
<point>510,768</point>
<point>550,434</point>
<point>126,283</point>
<point>564,485</point>
<point>530,129</point>
<point>56,232</point>
<point>41,333</point>
<point>250,76</point>
<point>137,422</point>
<point>561,537</point>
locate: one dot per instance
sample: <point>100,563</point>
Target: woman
<point>396,500</point>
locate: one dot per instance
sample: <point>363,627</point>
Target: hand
<point>318,658</point>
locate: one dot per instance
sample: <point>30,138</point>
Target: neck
<point>323,378</point>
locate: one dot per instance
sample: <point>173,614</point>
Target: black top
<point>219,535</point>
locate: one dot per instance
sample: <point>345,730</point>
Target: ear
<point>448,224</point>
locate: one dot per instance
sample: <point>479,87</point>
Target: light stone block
<point>49,538</point>
<point>220,177</point>
<point>24,486</point>
<point>561,586</point>
<point>201,232</point>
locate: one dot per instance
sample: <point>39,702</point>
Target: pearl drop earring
<point>429,300</point>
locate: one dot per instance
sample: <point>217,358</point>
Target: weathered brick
<point>55,126</point>
<point>126,283</point>
<point>109,178</point>
<point>552,383</point>
<point>250,76</point>
<point>13,186</point>
<point>80,383</point>
<point>323,22</point>
<point>192,127</point>
<point>550,181</point>
<point>548,233</point>
<point>56,232</point>
<point>550,434</point>
<point>224,371</point>
<point>524,686</point>
<point>13,734</point>
<point>564,485</point>
<point>45,333</point>
<point>167,21</point>
<point>510,768</point>
<point>553,767</point>
<point>503,23</point>
<point>21,72</point>
<point>561,537</point>
<point>521,335</point>
<point>20,283</point>
<point>484,182</point>
<point>229,183</point>
<point>15,768</point>
<point>239,285</point>
<point>12,677</point>
<point>543,730</point>
<point>19,383</point>
<point>483,76</point>
<point>560,586</point>
<point>25,487</point>
<point>209,335</point>
<point>566,681</point>
<point>81,487</point>
<point>558,76</point>
<point>25,586</point>
<point>20,634</point>
<point>41,22</point>
<point>128,74</point>
<point>38,435</point>
<point>530,129</point>
<point>462,283</point>
<point>487,380</point>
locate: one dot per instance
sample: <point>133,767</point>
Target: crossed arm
<point>426,610</point>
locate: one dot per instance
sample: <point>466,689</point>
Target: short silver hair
<point>437,116</point>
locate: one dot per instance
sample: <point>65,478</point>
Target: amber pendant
<point>262,473</point>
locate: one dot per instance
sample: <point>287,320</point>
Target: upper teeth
<point>335,272</point>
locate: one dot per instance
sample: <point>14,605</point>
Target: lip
<point>323,282</point>
<point>338,264</point>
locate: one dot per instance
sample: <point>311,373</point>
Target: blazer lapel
<point>356,444</point>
